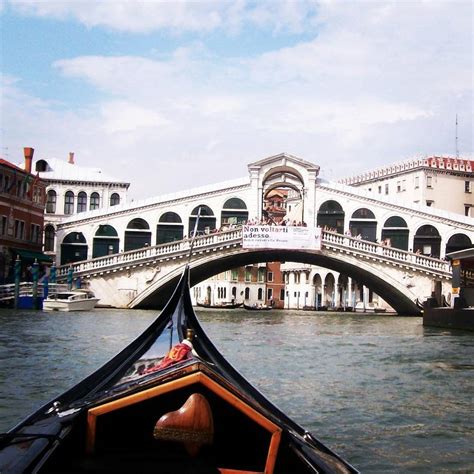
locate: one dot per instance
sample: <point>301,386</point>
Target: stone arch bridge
<point>145,278</point>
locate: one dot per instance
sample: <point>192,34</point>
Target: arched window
<point>331,215</point>
<point>69,203</point>
<point>137,235</point>
<point>49,234</point>
<point>395,233</point>
<point>106,241</point>
<point>458,242</point>
<point>427,241</point>
<point>82,202</point>
<point>207,221</point>
<point>73,248</point>
<point>114,199</point>
<point>169,228</point>
<point>247,293</point>
<point>260,294</point>
<point>234,212</point>
<point>51,202</point>
<point>363,223</point>
<point>95,201</point>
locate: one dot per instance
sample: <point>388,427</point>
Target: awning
<point>32,255</point>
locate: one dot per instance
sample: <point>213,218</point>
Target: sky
<point>171,95</point>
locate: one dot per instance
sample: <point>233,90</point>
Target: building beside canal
<point>22,203</point>
<point>72,189</point>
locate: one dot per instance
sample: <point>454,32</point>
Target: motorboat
<point>72,300</point>
<point>169,402</point>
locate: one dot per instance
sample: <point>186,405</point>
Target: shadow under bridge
<point>388,287</point>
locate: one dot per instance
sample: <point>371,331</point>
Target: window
<point>417,182</point>
<point>114,199</point>
<point>429,203</point>
<point>51,202</point>
<point>35,233</point>
<point>467,186</point>
<point>69,203</point>
<point>386,188</point>
<point>95,201</point>
<point>19,230</point>
<point>404,185</point>
<point>297,278</point>
<point>269,294</point>
<point>380,189</point>
<point>3,229</point>
<point>234,274</point>
<point>399,186</point>
<point>260,294</point>
<point>261,275</point>
<point>429,181</point>
<point>270,276</point>
<point>248,275</point>
<point>49,238</point>
<point>282,294</point>
<point>467,210</point>
<point>247,293</point>
<point>82,202</point>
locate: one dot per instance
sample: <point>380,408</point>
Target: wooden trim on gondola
<point>195,378</point>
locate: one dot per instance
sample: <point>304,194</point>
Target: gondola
<point>220,306</point>
<point>258,308</point>
<point>167,403</point>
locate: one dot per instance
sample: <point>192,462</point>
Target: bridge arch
<point>392,290</point>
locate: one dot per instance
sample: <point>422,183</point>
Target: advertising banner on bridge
<point>281,237</point>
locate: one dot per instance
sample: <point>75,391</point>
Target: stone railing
<point>146,254</point>
<point>388,254</point>
<point>330,241</point>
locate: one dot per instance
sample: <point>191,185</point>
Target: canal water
<point>384,392</point>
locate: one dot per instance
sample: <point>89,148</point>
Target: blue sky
<point>172,95</point>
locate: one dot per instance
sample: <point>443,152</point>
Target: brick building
<point>22,202</point>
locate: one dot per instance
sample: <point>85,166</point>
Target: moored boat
<point>168,403</point>
<point>261,307</point>
<point>224,305</point>
<point>72,300</point>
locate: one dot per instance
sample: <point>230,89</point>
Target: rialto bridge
<point>128,252</point>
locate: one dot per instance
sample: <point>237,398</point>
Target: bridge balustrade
<point>329,240</point>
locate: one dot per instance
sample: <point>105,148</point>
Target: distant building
<point>442,182</point>
<point>22,203</point>
<point>72,189</point>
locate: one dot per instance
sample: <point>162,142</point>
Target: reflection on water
<point>384,392</point>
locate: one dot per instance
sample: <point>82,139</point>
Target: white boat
<point>73,300</point>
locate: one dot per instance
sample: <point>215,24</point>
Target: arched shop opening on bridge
<point>234,212</point>
<point>207,221</point>
<point>427,241</point>
<point>169,229</point>
<point>137,235</point>
<point>106,241</point>
<point>73,248</point>
<point>331,215</point>
<point>458,242</point>
<point>363,224</point>
<point>395,233</point>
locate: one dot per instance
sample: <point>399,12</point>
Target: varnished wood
<point>198,377</point>
<point>191,425</point>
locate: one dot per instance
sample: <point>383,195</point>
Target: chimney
<point>71,158</point>
<point>28,152</point>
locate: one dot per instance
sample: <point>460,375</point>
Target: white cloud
<point>142,16</point>
<point>379,82</point>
